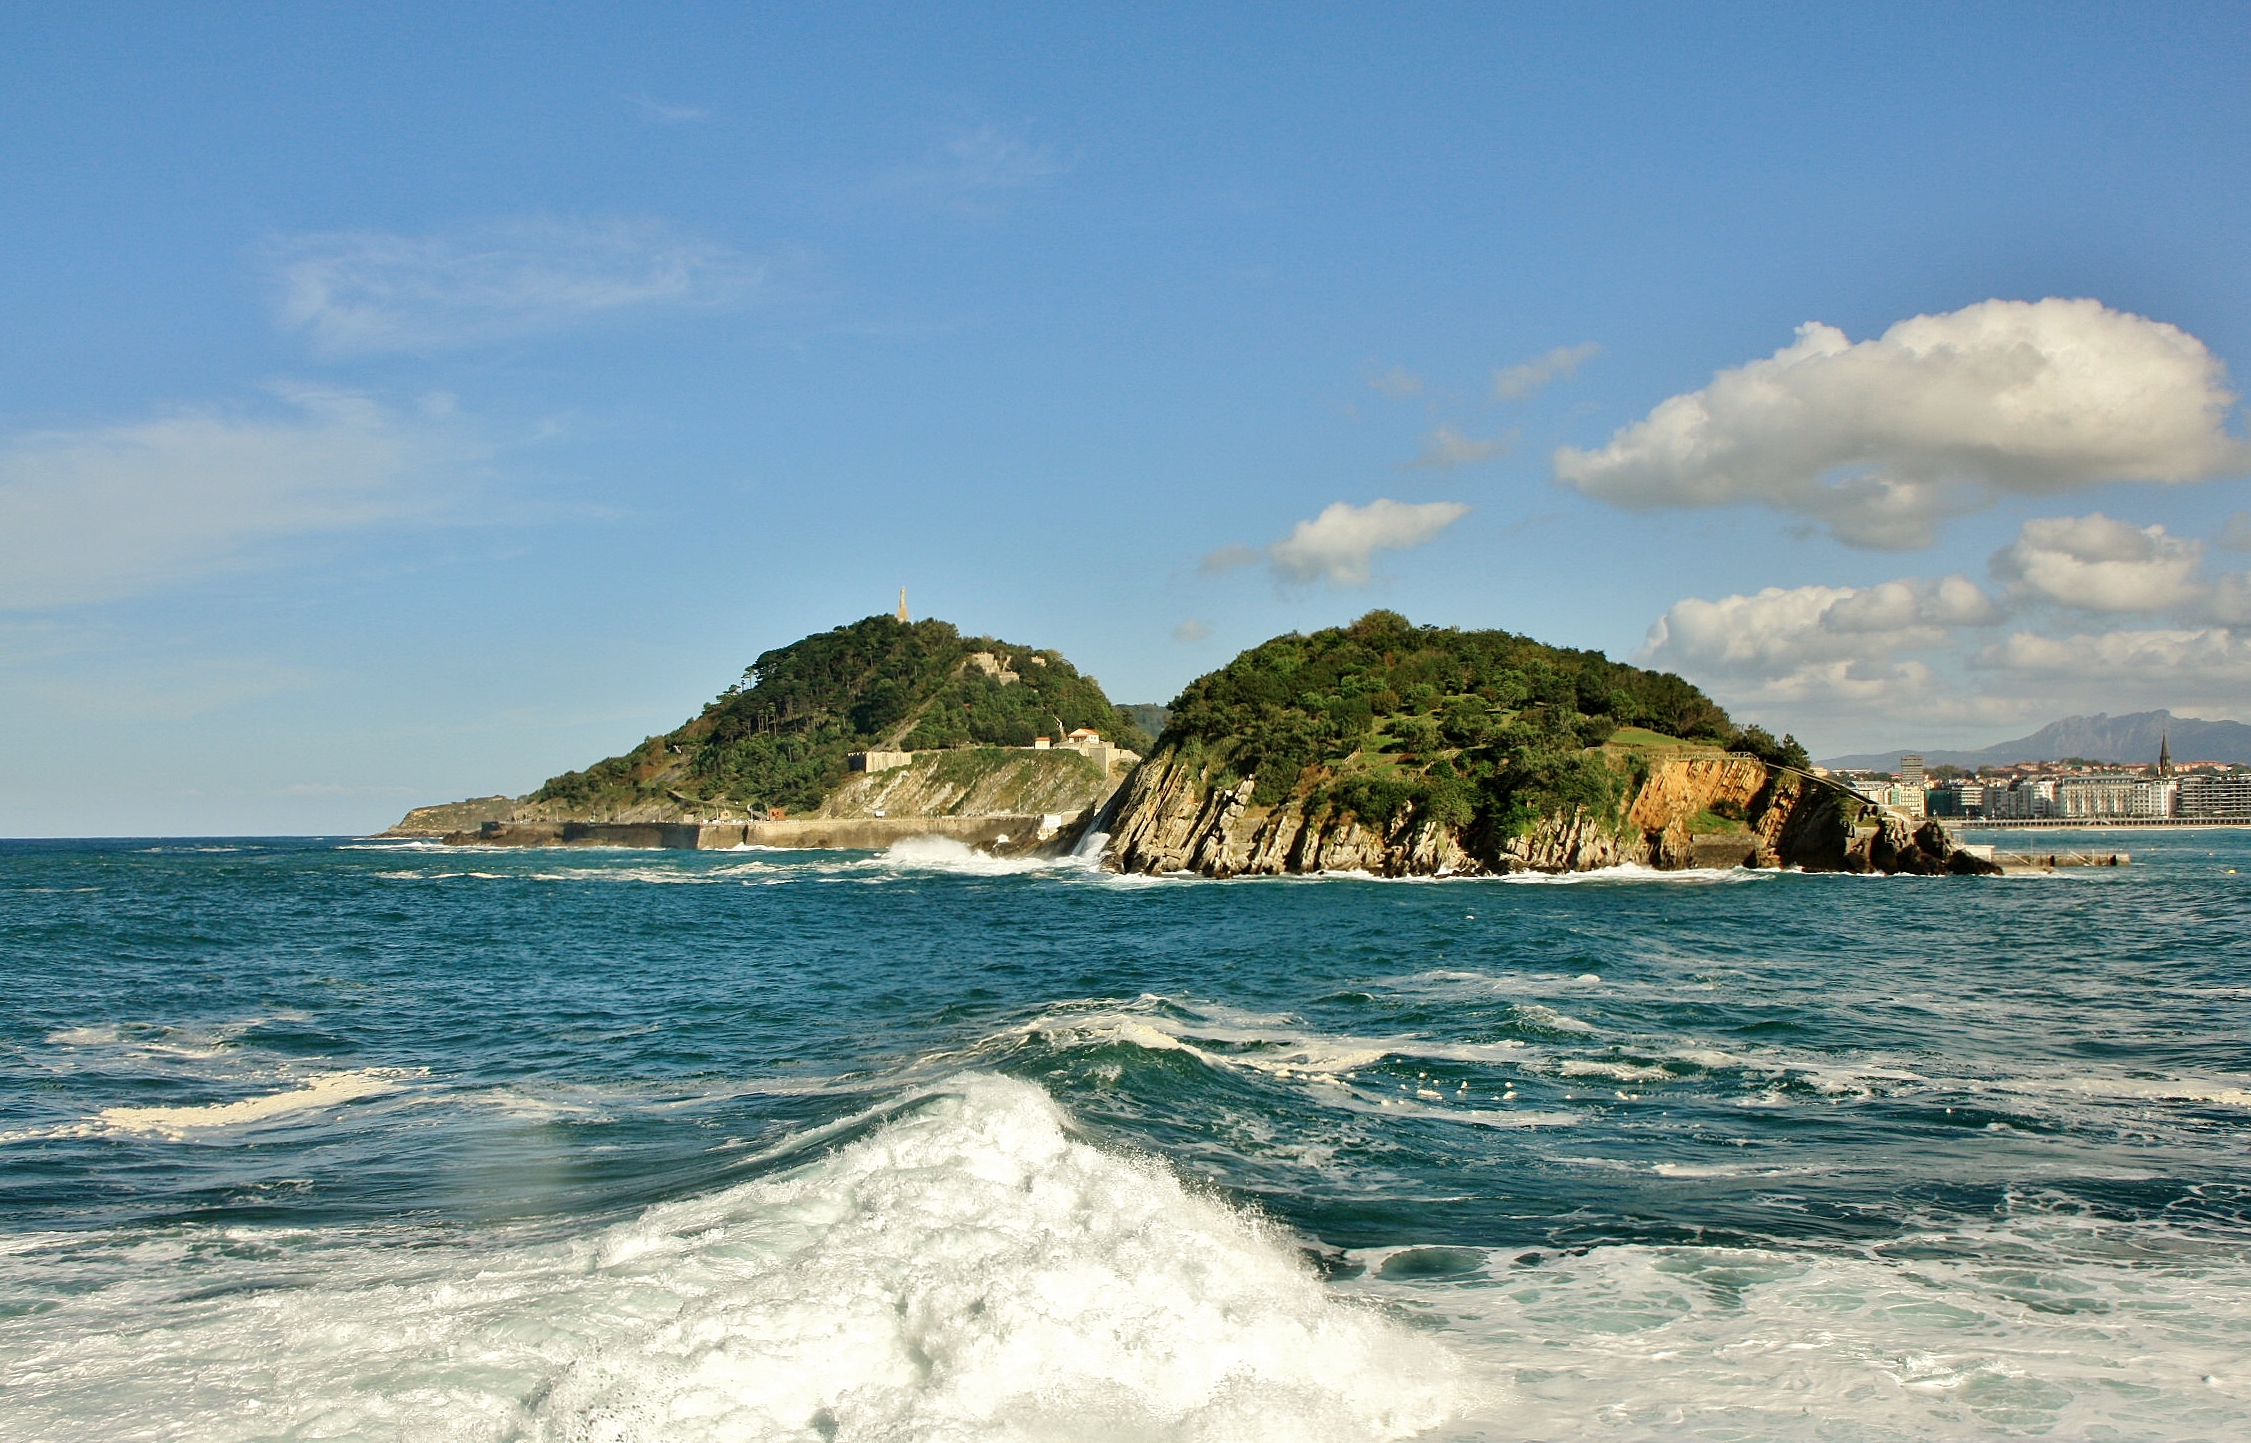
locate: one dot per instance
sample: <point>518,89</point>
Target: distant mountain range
<point>2103,738</point>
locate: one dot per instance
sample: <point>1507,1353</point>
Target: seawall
<point>1000,834</point>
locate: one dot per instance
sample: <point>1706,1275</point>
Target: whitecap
<point>1617,1071</point>
<point>945,854</point>
<point>1534,1015</point>
<point>970,1269</point>
<point>325,1090</point>
<point>1636,872</point>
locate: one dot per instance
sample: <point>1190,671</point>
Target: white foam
<point>944,854</point>
<point>1539,1016</point>
<point>970,1270</point>
<point>1617,1071</point>
<point>326,1090</point>
<point>1223,1037</point>
<point>660,876</point>
<point>1666,1343</point>
<point>1326,1065</point>
<point>1636,872</point>
<point>2232,1092</point>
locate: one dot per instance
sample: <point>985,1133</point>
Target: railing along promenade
<point>1972,824</point>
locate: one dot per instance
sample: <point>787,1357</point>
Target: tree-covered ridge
<point>781,735</point>
<point>1465,727</point>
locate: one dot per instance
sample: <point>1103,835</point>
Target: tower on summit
<point>902,606</point>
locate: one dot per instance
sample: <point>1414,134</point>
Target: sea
<point>337,1139</point>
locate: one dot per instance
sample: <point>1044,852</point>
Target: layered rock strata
<point>1173,816</point>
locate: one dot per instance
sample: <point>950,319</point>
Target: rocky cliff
<point>1701,808</point>
<point>982,782</point>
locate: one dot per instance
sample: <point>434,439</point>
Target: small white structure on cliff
<point>1085,741</point>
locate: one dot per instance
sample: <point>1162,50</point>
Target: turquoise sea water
<point>340,1140</point>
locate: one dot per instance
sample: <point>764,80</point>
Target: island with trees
<point>1381,747</point>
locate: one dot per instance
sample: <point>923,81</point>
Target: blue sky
<point>403,403</point>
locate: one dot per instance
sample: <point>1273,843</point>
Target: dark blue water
<point>309,1139</point>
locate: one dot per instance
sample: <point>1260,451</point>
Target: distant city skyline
<point>412,404</point>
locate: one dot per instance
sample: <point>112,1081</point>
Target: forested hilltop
<point>1471,730</point>
<point>780,736</point>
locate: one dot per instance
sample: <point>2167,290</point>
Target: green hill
<point>780,736</point>
<point>1480,728</point>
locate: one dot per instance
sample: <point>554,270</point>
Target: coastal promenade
<point>2080,824</point>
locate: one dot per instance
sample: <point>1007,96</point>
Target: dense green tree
<point>780,736</point>
<point>1488,727</point>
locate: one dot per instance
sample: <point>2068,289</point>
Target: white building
<point>2111,796</point>
<point>2225,798</point>
<point>2116,795</point>
<point>2157,797</point>
<point>1897,795</point>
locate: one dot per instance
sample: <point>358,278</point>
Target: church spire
<point>902,606</point>
<point>2165,754</point>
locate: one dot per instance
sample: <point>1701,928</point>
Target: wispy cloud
<point>1514,383</point>
<point>99,514</point>
<point>1338,546</point>
<point>664,114</point>
<point>973,171</point>
<point>97,678</point>
<point>1396,382</point>
<point>356,292</point>
<point>1230,558</point>
<point>1191,630</point>
<point>1445,448</point>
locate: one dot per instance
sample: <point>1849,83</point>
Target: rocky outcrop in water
<point>1172,815</point>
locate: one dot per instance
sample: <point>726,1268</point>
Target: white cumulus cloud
<point>1881,440</point>
<point>1779,631</point>
<point>108,512</point>
<point>1925,653</point>
<point>2208,666</point>
<point>2093,563</point>
<point>1811,658</point>
<point>358,292</point>
<point>1514,383</point>
<point>1338,546</point>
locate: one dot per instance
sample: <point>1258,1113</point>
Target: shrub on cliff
<point>1383,717</point>
<point>780,736</point>
<point>1760,743</point>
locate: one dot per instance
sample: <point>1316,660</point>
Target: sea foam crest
<point>945,854</point>
<point>972,1270</point>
